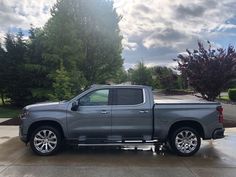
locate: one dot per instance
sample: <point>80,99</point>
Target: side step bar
<point>117,144</point>
<point>126,143</point>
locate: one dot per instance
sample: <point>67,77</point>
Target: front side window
<point>128,96</point>
<point>95,98</point>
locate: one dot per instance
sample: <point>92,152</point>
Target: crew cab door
<point>92,120</point>
<point>131,114</point>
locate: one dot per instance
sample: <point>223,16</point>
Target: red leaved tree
<point>208,70</point>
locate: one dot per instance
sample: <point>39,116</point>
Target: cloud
<point>190,11</point>
<point>156,31</point>
<point>167,37</point>
<point>23,13</point>
<point>2,33</point>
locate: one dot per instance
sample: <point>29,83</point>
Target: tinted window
<point>95,98</point>
<point>128,96</point>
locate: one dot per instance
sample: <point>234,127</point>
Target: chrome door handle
<point>104,112</point>
<point>143,111</point>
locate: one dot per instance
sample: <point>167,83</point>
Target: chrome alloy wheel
<point>186,141</point>
<point>45,141</point>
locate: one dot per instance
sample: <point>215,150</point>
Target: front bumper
<point>21,135</point>
<point>23,129</point>
<point>218,133</point>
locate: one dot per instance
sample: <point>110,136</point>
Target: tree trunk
<point>2,98</point>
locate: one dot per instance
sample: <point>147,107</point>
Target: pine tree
<point>85,35</point>
<point>16,81</point>
<point>3,71</point>
<point>61,85</point>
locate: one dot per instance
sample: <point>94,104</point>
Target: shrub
<point>232,94</point>
<point>208,70</point>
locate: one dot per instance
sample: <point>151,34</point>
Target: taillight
<point>220,111</point>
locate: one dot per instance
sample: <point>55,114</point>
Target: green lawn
<point>224,98</point>
<point>8,111</point>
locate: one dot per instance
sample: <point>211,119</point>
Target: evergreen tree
<point>61,85</point>
<point>36,67</point>
<point>166,78</point>
<point>141,75</point>
<point>84,34</point>
<point>3,72</point>
<point>82,39</point>
<point>121,76</point>
<point>16,81</point>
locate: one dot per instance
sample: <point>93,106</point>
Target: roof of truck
<point>119,86</point>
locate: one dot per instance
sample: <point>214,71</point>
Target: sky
<point>154,31</point>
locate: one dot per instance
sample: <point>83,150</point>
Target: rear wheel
<point>45,140</point>
<point>185,141</point>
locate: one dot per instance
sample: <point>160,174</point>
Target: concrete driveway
<point>215,158</point>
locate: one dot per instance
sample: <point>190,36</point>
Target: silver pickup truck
<point>121,115</point>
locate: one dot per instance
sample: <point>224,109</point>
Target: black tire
<point>185,147</point>
<point>168,146</point>
<point>55,137</point>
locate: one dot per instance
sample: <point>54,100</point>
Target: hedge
<point>232,94</point>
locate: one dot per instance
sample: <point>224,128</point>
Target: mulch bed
<point>177,92</point>
<point>227,101</point>
<point>229,123</point>
<point>13,121</point>
<point>16,121</point>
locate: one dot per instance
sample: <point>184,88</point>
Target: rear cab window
<point>128,96</point>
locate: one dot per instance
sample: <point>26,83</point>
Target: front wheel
<point>45,140</point>
<point>185,141</point>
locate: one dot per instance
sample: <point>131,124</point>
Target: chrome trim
<point>144,99</point>
<point>119,144</point>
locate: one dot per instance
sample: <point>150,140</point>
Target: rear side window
<point>128,96</point>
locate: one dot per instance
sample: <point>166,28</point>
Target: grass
<point>8,111</point>
<point>224,98</point>
<point>177,92</point>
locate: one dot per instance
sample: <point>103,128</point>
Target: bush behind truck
<point>232,94</point>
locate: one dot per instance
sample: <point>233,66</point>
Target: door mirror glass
<point>75,106</point>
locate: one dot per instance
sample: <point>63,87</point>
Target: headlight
<point>24,114</point>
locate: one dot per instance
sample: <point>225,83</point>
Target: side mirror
<point>75,106</point>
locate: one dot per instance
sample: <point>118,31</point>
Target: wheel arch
<point>40,123</point>
<point>187,123</point>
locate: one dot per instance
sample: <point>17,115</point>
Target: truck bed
<point>167,112</point>
<point>173,101</point>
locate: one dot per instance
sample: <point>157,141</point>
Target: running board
<point>128,143</point>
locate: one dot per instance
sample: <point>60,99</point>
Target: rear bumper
<point>218,133</point>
